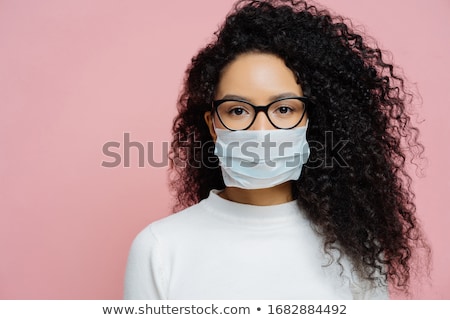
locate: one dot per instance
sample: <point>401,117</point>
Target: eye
<point>237,111</point>
<point>284,109</point>
<point>287,108</point>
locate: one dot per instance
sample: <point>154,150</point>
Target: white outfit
<point>219,249</point>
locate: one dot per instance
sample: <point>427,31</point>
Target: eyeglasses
<point>284,113</point>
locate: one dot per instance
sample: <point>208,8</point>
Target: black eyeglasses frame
<point>265,109</point>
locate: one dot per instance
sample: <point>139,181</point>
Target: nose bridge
<point>261,122</point>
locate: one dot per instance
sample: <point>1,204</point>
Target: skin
<point>258,78</point>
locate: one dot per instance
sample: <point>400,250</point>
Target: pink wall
<point>77,74</point>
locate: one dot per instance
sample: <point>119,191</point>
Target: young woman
<point>288,161</point>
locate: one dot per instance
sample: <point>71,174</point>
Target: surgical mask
<point>257,159</point>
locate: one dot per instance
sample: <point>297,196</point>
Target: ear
<point>209,122</point>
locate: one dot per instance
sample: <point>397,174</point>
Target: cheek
<point>304,120</point>
<point>217,123</point>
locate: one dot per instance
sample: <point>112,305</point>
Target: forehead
<point>257,76</point>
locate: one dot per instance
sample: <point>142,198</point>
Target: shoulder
<point>150,261</point>
<point>173,227</point>
<point>339,266</point>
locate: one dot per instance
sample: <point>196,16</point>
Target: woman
<point>288,162</point>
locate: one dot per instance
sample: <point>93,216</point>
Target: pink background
<point>77,74</point>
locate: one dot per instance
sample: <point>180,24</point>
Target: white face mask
<point>257,159</point>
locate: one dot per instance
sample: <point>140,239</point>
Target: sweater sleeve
<point>144,276</point>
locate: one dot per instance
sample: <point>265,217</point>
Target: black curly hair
<point>363,204</point>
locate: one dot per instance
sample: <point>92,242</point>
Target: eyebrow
<point>271,98</point>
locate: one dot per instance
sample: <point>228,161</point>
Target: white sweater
<point>219,249</point>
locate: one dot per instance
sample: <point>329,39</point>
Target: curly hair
<point>362,204</point>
